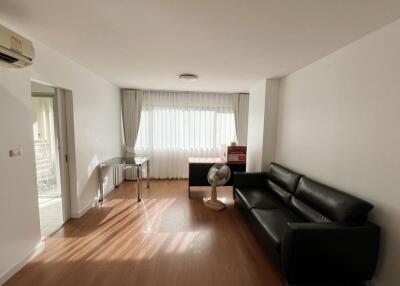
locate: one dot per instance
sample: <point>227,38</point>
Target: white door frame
<point>64,125</point>
<point>63,117</point>
<point>63,149</point>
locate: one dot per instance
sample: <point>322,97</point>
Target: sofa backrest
<point>284,177</point>
<point>318,202</point>
<point>282,181</point>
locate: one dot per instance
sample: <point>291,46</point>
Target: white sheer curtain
<point>178,125</point>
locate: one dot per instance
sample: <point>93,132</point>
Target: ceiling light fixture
<point>188,77</point>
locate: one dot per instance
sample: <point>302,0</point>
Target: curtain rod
<point>184,91</point>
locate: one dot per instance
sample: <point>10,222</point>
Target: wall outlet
<point>16,152</point>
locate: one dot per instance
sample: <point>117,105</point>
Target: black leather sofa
<point>316,234</point>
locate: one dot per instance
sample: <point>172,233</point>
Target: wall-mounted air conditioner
<point>15,50</point>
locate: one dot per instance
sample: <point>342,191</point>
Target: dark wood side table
<point>198,170</point>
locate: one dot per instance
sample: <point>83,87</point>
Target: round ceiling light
<point>188,77</point>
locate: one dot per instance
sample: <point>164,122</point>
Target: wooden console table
<point>198,170</point>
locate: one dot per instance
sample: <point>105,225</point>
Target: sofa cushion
<point>257,198</point>
<point>274,222</point>
<point>279,192</point>
<point>307,212</point>
<point>334,204</point>
<point>285,178</point>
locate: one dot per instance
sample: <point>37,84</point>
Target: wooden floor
<point>166,239</point>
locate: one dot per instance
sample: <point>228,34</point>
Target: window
<point>177,125</point>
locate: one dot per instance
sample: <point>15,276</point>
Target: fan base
<point>214,205</point>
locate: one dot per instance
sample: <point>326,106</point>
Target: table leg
<point>139,183</point>
<point>100,174</point>
<point>116,176</point>
<point>148,173</point>
<point>114,182</point>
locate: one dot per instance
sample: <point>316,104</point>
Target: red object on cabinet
<point>237,154</point>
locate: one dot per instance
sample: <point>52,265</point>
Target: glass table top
<point>132,161</point>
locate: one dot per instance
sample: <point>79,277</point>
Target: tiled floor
<point>51,216</point>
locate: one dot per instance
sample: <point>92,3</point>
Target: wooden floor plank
<point>166,239</point>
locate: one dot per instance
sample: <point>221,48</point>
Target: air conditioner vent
<point>7,58</point>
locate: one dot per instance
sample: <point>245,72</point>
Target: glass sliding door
<point>48,181</point>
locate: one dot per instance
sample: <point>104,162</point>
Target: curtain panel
<point>131,104</point>
<point>177,125</point>
<point>241,111</point>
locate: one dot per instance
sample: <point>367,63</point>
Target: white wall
<point>270,122</point>
<point>97,137</point>
<point>261,134</point>
<point>19,216</point>
<point>255,131</point>
<point>339,123</point>
<point>243,117</point>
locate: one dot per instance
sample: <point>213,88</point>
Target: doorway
<point>49,127</point>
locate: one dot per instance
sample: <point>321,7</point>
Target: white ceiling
<point>230,44</point>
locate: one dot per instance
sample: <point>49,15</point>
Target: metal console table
<point>134,162</point>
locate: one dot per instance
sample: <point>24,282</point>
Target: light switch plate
<point>16,152</point>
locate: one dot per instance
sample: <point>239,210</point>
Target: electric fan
<point>217,176</point>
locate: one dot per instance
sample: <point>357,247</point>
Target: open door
<point>51,156</point>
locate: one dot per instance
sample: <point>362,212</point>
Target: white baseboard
<point>35,251</point>
<point>109,190</point>
<point>81,212</point>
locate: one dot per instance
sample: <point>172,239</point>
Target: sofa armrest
<point>312,252</point>
<point>249,180</point>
